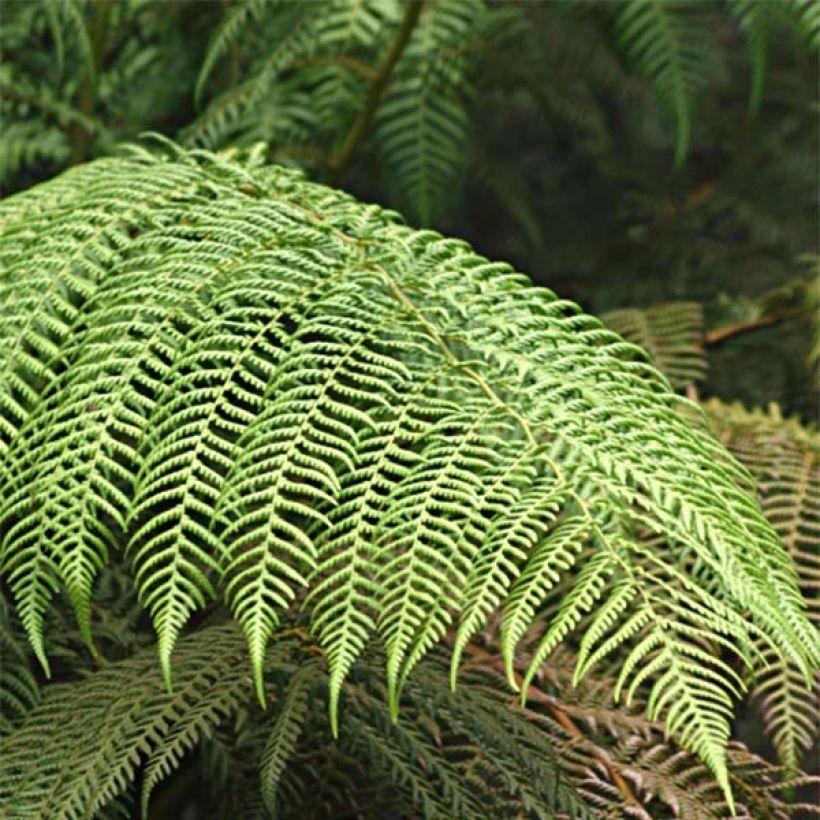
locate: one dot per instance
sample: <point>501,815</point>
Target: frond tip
<point>280,397</point>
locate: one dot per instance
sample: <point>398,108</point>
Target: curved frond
<point>422,125</point>
<point>277,396</point>
<point>784,458</point>
<point>128,717</point>
<point>662,41</point>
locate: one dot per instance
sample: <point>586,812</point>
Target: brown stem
<point>358,130</point>
<point>97,29</point>
<point>716,336</point>
<point>564,720</point>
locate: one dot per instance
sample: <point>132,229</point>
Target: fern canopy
<point>276,396</point>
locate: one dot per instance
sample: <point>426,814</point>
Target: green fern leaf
<point>422,125</point>
<point>785,461</point>
<point>657,36</point>
<point>808,20</point>
<point>127,713</point>
<point>277,396</point>
<point>285,733</point>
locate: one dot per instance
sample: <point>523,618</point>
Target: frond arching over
<point>784,458</point>
<point>276,394</point>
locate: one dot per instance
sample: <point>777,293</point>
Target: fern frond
<point>237,19</point>
<point>785,461</point>
<point>422,125</point>
<point>668,50</point>
<point>752,19</point>
<point>268,389</point>
<point>19,688</point>
<point>127,717</point>
<point>285,733</point>
<point>672,335</point>
<point>808,20</point>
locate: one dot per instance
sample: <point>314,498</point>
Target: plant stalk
<point>358,131</point>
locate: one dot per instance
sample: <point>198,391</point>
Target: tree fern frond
<point>19,688</point>
<point>672,335</point>
<point>668,50</point>
<point>238,17</point>
<point>785,460</point>
<point>127,716</point>
<point>808,20</point>
<point>752,19</point>
<point>268,388</point>
<point>294,34</point>
<point>421,126</point>
<point>285,733</point>
<point>65,17</point>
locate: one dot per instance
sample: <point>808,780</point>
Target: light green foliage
<point>784,458</point>
<point>270,391</point>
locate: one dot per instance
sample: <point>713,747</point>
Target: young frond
<point>275,395</point>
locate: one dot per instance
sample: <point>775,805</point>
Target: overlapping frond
<point>127,718</point>
<point>19,687</point>
<point>672,335</point>
<point>268,389</point>
<point>784,458</point>
<point>569,752</point>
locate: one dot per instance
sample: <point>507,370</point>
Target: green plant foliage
<point>415,482</point>
<point>671,333</point>
<point>784,458</point>
<point>470,753</point>
<point>128,703</point>
<point>305,396</point>
<point>669,50</point>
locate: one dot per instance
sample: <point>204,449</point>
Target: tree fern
<point>808,20</point>
<point>267,388</point>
